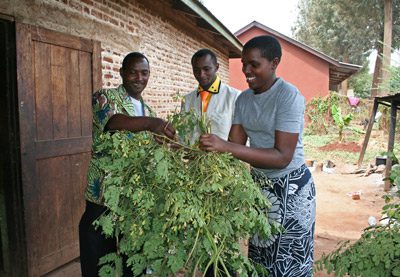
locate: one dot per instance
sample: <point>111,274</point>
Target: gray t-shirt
<point>279,108</point>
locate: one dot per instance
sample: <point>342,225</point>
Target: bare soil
<point>339,216</point>
<point>341,146</point>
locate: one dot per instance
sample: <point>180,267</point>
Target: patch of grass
<point>312,143</point>
<point>335,156</point>
<point>315,141</point>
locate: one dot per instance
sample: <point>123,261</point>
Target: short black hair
<point>269,46</point>
<point>204,52</point>
<point>133,56</point>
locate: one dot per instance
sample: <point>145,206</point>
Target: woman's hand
<point>209,142</point>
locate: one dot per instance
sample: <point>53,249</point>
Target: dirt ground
<point>339,216</point>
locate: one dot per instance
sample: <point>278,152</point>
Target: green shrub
<point>361,83</point>
<point>318,113</point>
<point>340,119</point>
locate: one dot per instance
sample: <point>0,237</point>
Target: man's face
<point>205,70</point>
<point>259,71</point>
<point>135,76</point>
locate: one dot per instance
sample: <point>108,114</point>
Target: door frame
<point>20,147</point>
<point>13,247</point>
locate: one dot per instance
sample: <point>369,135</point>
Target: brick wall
<point>125,26</point>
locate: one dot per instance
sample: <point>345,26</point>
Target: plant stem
<point>194,246</point>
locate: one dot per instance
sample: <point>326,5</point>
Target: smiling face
<point>135,76</point>
<point>259,71</point>
<point>205,70</point>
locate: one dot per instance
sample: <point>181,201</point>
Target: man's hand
<point>162,128</point>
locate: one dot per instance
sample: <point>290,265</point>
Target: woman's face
<point>259,71</point>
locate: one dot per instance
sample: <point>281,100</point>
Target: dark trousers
<point>93,244</point>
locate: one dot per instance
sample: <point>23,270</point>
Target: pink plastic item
<point>353,101</point>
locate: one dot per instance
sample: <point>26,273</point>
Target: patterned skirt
<point>289,253</point>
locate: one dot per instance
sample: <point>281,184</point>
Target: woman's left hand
<point>209,142</point>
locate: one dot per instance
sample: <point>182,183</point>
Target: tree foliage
<point>361,82</point>
<point>392,85</point>
<point>345,30</point>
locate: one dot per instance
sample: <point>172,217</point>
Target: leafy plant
<point>377,252</point>
<point>361,82</point>
<point>392,85</point>
<point>316,111</point>
<point>340,120</point>
<point>177,211</point>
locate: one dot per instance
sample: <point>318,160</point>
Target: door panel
<point>57,74</point>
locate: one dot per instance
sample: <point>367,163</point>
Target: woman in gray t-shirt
<point>271,115</point>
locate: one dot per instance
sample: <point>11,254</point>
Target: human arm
<point>140,123</point>
<point>110,114</point>
<point>277,157</point>
<point>237,134</point>
<point>275,134</point>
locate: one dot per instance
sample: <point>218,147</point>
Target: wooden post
<point>387,43</point>
<point>393,114</point>
<point>367,135</point>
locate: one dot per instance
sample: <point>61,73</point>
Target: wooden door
<point>57,74</point>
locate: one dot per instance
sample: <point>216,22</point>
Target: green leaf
<point>175,263</point>
<point>107,224</point>
<point>111,265</point>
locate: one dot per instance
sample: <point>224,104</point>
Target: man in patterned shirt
<point>117,109</point>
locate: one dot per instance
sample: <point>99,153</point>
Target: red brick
<point>107,59</point>
<point>97,14</point>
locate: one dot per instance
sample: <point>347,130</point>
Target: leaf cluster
<point>318,111</point>
<point>340,119</point>
<point>361,82</point>
<point>177,210</point>
<point>392,84</point>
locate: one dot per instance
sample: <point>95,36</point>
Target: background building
<point>311,71</point>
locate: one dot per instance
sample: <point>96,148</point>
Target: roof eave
<point>208,18</point>
<point>340,72</point>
